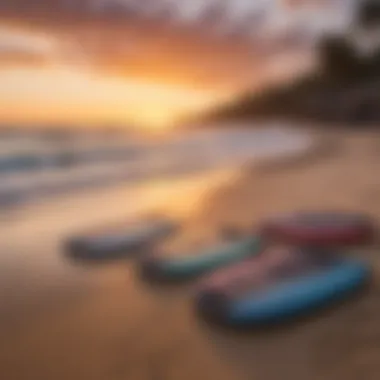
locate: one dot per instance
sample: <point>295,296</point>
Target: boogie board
<point>195,264</point>
<point>120,238</point>
<point>271,289</point>
<point>320,228</point>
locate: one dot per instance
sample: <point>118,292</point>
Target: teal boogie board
<point>159,268</point>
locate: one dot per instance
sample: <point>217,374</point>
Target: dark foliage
<point>346,87</point>
<point>369,14</point>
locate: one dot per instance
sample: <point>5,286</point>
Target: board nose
<point>76,247</point>
<point>151,268</point>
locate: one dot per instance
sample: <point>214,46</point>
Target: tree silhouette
<point>338,58</point>
<point>369,14</point>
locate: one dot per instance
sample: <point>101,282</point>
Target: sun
<point>71,95</point>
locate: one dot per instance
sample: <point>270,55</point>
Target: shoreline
<point>340,172</point>
<point>334,147</point>
<point>61,320</point>
<point>323,146</point>
<point>19,189</point>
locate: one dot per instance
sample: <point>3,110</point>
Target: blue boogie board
<point>287,299</point>
<point>178,268</point>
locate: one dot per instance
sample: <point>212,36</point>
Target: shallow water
<point>186,154</point>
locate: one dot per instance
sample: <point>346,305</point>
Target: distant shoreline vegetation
<point>344,89</point>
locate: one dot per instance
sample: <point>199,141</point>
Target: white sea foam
<point>186,154</point>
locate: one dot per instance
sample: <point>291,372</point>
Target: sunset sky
<point>61,62</point>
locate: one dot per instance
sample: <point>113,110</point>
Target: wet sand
<point>65,320</point>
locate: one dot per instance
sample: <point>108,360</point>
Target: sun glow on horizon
<point>66,94</point>
<point>70,86</point>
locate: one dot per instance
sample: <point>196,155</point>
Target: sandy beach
<point>61,320</point>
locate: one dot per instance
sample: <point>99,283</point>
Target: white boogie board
<point>120,238</point>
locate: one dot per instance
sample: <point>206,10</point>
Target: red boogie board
<point>320,229</point>
<point>258,272</point>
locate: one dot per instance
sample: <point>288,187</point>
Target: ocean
<point>35,168</point>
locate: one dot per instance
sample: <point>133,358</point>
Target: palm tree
<point>369,14</point>
<point>368,25</point>
<point>338,58</point>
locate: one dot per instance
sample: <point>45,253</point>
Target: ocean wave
<point>66,169</point>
